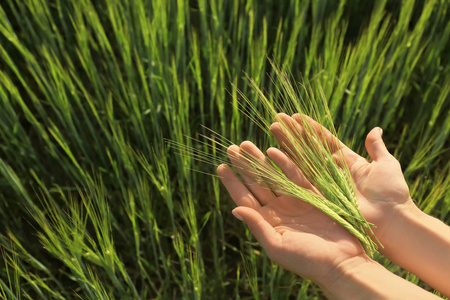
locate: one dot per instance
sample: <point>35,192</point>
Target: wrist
<point>407,210</point>
<point>403,215</point>
<point>341,272</point>
<point>419,243</point>
<point>353,279</point>
<point>362,278</point>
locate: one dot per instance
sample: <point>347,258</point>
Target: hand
<point>381,188</point>
<point>304,240</point>
<point>294,234</point>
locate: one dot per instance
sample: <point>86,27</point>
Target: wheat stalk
<point>321,162</point>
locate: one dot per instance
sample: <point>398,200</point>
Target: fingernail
<point>238,216</point>
<point>381,132</point>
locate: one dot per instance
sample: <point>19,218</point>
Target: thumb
<point>259,227</point>
<point>375,145</point>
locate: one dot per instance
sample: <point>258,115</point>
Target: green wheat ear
<point>314,158</point>
<point>317,160</point>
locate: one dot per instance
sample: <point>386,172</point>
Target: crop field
<point>95,204</point>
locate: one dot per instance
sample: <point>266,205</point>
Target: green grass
<point>332,179</point>
<point>94,205</point>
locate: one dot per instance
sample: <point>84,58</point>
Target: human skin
<point>412,239</point>
<point>304,240</point>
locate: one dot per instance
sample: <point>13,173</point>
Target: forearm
<point>420,244</point>
<point>363,278</point>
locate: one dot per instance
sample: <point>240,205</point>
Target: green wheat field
<point>95,204</point>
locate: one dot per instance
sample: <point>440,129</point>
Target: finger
<point>259,227</point>
<point>291,126</point>
<point>333,143</point>
<point>375,145</point>
<point>290,144</point>
<point>300,142</point>
<point>319,132</point>
<point>304,133</point>
<point>240,159</point>
<point>237,190</point>
<point>256,185</point>
<point>339,159</point>
<point>284,138</point>
<point>289,168</point>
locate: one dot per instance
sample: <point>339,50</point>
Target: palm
<point>300,236</point>
<point>380,188</point>
<point>308,239</point>
<point>379,184</point>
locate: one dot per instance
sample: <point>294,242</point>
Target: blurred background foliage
<point>94,205</point>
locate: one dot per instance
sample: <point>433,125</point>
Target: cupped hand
<point>294,234</point>
<point>381,188</point>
